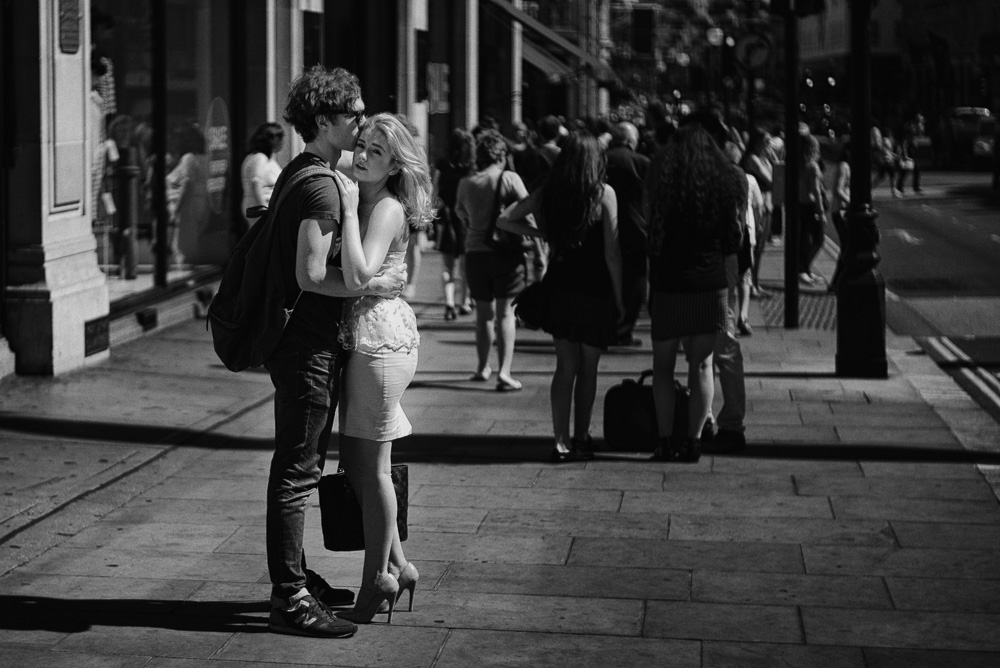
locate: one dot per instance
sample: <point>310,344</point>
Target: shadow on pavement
<point>36,613</point>
<point>481,448</point>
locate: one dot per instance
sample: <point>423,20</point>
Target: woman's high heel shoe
<point>386,589</point>
<point>450,313</point>
<point>407,579</point>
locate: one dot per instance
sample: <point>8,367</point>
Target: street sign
<point>753,51</point>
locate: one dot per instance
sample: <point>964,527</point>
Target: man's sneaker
<point>302,615</point>
<point>727,440</point>
<point>321,590</point>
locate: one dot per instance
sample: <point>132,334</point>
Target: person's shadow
<point>66,615</point>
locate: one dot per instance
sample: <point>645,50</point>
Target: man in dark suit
<point>626,174</point>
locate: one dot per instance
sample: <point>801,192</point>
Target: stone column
<point>57,298</point>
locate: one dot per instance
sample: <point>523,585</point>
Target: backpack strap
<point>296,178</point>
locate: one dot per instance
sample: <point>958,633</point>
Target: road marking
<point>907,237</point>
<point>982,379</point>
<point>995,237</point>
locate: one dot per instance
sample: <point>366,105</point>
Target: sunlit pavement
<point>859,527</point>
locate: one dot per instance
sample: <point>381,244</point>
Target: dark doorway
<point>348,25</point>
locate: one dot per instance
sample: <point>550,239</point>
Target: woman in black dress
<point>577,213</point>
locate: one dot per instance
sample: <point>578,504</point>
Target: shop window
<point>199,151</point>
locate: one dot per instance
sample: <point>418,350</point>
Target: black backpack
<point>247,315</point>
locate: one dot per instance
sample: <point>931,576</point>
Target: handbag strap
<point>496,206</point>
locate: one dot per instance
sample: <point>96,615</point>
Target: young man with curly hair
<point>325,107</point>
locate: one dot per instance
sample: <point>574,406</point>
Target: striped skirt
<point>679,314</point>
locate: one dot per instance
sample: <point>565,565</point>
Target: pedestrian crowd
<point>590,222</point>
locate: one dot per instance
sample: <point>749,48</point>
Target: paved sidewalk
<point>858,529</point>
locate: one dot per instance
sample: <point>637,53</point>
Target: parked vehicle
<point>962,132</point>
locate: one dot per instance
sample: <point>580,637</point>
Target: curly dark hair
<point>699,193</point>
<point>260,140</point>
<point>320,91</point>
<point>490,148</point>
<point>573,190</point>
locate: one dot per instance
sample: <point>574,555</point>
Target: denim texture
<point>728,356</point>
<point>307,386</point>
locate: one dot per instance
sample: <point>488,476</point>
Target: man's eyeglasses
<point>358,116</point>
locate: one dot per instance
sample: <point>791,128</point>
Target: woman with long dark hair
<point>577,213</point>
<point>696,207</point>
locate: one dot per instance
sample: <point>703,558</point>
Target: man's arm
<point>315,273</point>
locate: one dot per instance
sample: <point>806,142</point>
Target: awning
<point>555,70</point>
<point>598,69</point>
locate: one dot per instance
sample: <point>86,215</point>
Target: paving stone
<point>516,612</point>
<point>377,644</point>
<point>505,521</point>
<point>933,469</point>
<point>947,535</point>
<point>24,657</point>
<point>929,510</point>
<point>916,658</point>
<point>813,392</point>
<point>584,582</point>
<point>919,417</point>
<point>150,563</point>
<point>719,621</point>
<point>510,549</point>
<point>153,635</point>
<point>764,655</point>
<point>893,487</point>
<point>475,475</point>
<point>675,554</point>
<point>189,511</point>
<point>911,438</point>
<point>789,589</point>
<point>445,520</point>
<point>945,594</point>
<point>727,504</point>
<point>212,489</point>
<point>560,478</point>
<point>527,499</point>
<point>767,465</point>
<point>914,630</point>
<point>96,593</point>
<point>156,535</point>
<point>792,434</point>
<point>917,562</point>
<point>797,530</point>
<point>495,649</point>
<point>754,419</point>
<point>714,483</point>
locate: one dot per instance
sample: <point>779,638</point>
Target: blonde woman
<point>393,191</point>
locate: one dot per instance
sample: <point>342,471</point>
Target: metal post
<point>793,165</point>
<point>861,288</point>
<point>158,20</point>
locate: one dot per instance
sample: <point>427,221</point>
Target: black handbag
<point>531,305</point>
<point>340,510</point>
<point>630,415</point>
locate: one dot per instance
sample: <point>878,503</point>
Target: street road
<point>941,263</point>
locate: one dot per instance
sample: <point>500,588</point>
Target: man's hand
<point>389,283</point>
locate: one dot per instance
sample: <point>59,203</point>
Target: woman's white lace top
<point>373,324</point>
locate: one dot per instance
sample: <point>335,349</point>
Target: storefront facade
<point>129,122</point>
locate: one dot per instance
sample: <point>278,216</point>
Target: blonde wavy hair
<point>411,185</point>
